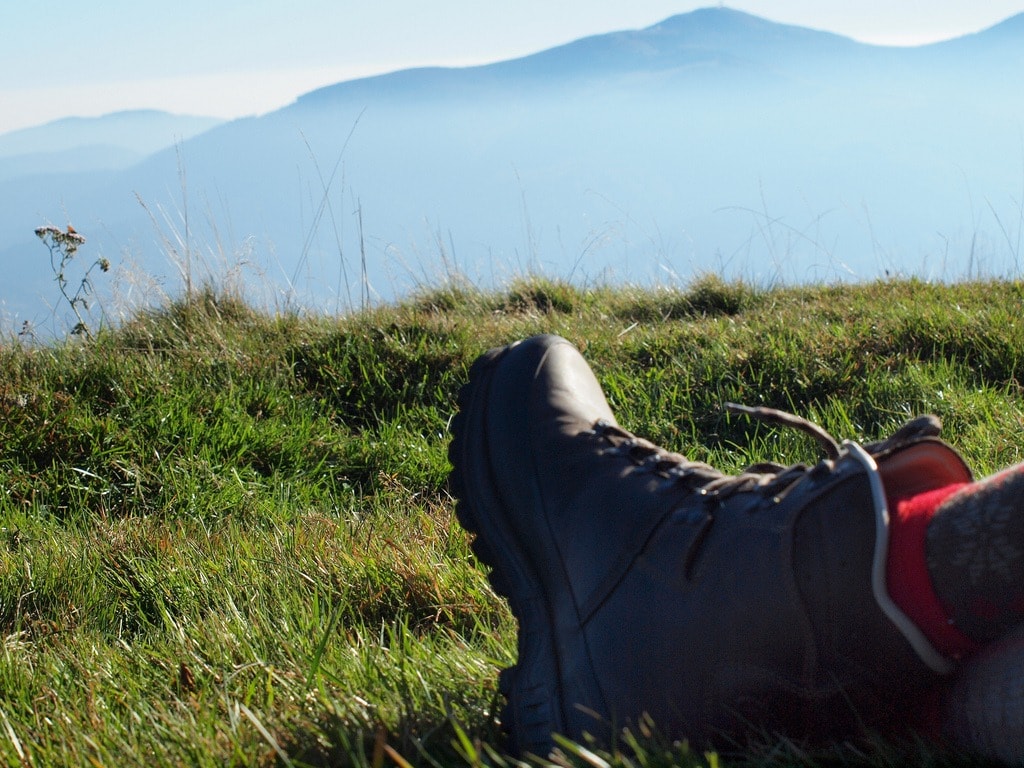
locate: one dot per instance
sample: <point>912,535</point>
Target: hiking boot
<point>645,584</point>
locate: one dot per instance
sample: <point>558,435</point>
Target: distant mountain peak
<point>709,36</point>
<point>720,24</point>
<point>713,17</point>
<point>719,37</point>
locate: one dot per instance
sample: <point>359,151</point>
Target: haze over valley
<point>713,141</point>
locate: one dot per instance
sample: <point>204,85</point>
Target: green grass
<point>226,538</point>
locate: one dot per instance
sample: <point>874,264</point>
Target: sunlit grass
<point>226,537</point>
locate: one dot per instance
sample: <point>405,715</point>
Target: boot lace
<point>766,477</point>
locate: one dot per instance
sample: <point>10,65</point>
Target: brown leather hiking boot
<point>646,584</point>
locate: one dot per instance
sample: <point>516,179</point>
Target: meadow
<point>226,536</point>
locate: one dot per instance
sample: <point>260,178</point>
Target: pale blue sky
<point>229,58</point>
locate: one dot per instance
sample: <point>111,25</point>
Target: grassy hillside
<point>226,538</point>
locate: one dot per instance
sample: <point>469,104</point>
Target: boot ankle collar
<point>926,426</point>
<point>917,639</point>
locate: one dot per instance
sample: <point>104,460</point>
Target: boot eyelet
<point>711,501</point>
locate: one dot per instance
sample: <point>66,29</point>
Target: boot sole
<point>532,686</point>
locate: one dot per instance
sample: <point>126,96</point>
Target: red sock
<point>910,585</point>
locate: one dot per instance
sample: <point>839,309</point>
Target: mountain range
<point>111,142</point>
<point>713,141</point>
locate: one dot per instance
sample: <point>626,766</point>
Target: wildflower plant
<point>63,245</point>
